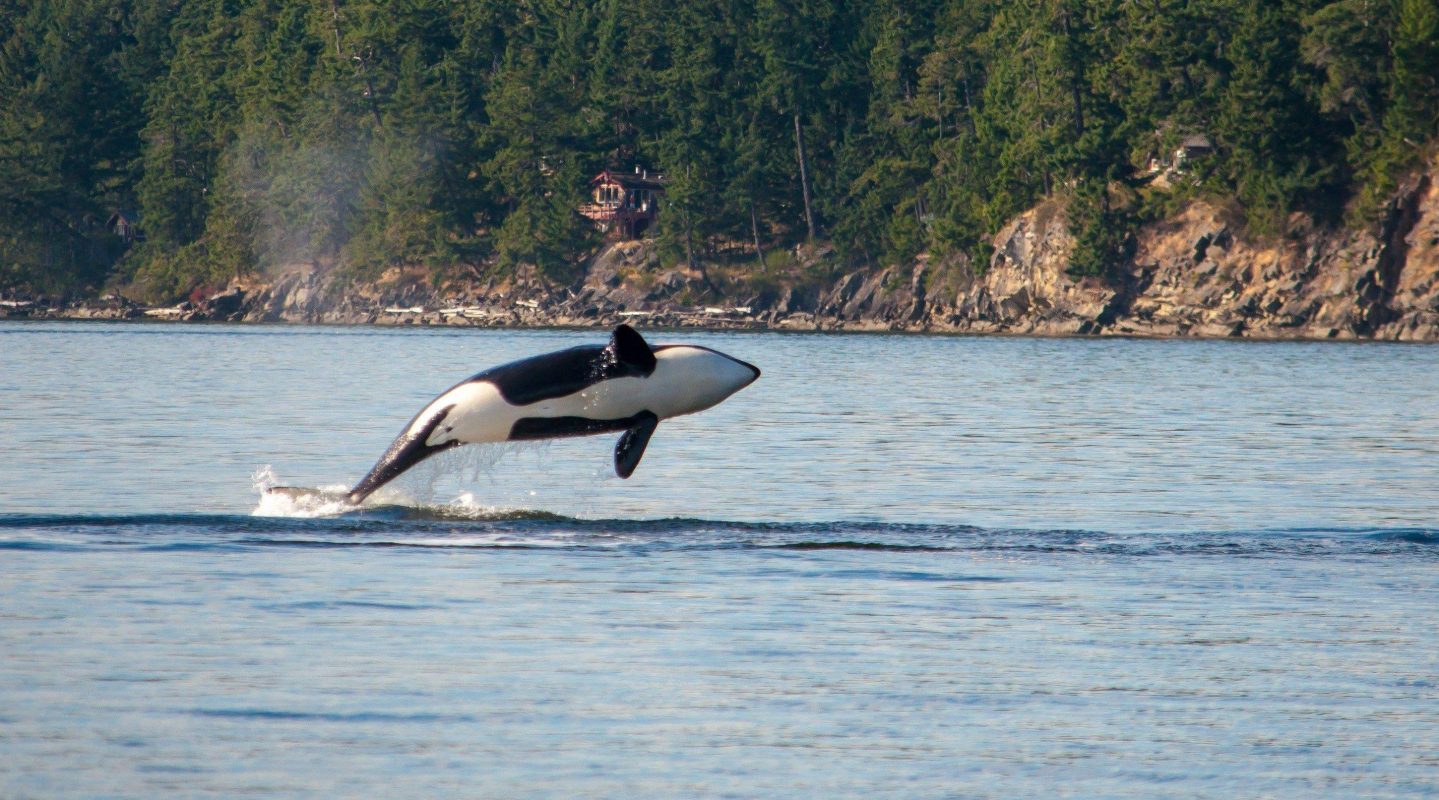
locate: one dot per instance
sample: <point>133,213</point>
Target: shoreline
<point>1192,275</point>
<point>682,321</point>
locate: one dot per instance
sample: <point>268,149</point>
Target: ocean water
<point>896,566</point>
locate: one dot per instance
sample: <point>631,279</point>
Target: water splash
<point>264,478</point>
<point>394,507</point>
<point>560,476</point>
<point>328,501</point>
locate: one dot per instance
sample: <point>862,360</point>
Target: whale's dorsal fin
<point>629,348</point>
<point>631,446</point>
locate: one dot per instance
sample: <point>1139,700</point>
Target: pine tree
<point>886,214</point>
<point>68,138</point>
<point>1412,115</point>
<point>537,142</point>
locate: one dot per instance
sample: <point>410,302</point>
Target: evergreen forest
<point>461,135</point>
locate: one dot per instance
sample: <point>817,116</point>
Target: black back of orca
<point>566,372</point>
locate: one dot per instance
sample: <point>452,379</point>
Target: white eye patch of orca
<point>622,386</point>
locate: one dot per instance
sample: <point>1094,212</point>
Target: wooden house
<point>1163,167</point>
<point>1195,146</point>
<point>624,204</point>
<point>126,225</point>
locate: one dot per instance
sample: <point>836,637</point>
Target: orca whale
<point>625,385</point>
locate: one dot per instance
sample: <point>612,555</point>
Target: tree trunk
<point>754,228</point>
<point>804,177</point>
<point>696,266</point>
<point>1074,80</point>
<point>969,111</point>
<point>370,95</point>
<point>689,243</point>
<point>335,15</point>
<point>363,66</point>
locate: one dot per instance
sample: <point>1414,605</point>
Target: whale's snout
<point>752,368</point>
<point>736,374</point>
<point>691,379</point>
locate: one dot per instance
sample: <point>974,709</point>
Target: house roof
<point>629,180</point>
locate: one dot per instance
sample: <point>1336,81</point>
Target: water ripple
<point>420,528</point>
<point>321,716</point>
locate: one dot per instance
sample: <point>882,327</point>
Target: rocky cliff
<point>1193,274</point>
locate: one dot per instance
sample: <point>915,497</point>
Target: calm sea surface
<point>896,566</point>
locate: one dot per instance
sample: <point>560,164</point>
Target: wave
<point>418,528</point>
<point>1407,535</point>
<point>273,715</point>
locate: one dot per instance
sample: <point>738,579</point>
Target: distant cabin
<point>126,225</point>
<point>1190,148</point>
<point>625,204</point>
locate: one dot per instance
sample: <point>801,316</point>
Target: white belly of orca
<point>623,386</point>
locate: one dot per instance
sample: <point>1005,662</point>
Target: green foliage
<point>1411,116</point>
<point>399,219</point>
<point>255,135</point>
<point>1101,231</point>
<point>66,139</point>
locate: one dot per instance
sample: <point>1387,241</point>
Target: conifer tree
<point>1412,114</point>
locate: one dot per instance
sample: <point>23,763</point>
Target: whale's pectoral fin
<point>630,349</point>
<point>631,446</point>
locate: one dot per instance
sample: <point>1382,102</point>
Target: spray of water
<point>462,483</point>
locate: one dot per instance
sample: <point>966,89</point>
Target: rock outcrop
<point>1193,274</point>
